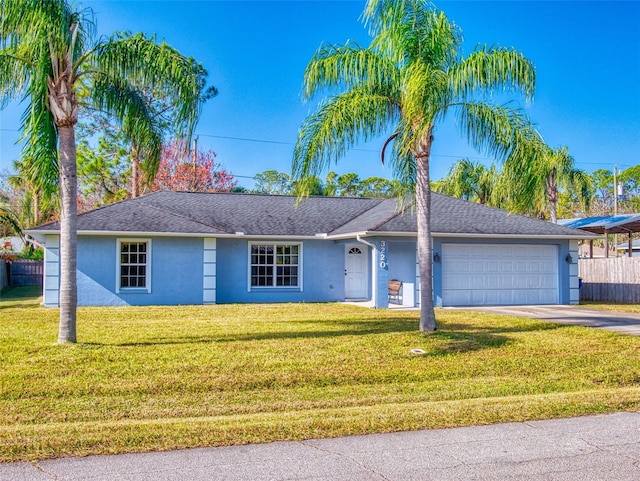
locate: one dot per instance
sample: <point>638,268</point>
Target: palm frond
<point>492,69</point>
<point>424,95</point>
<point>412,29</point>
<point>347,66</point>
<point>340,123</point>
<point>14,77</point>
<point>493,129</point>
<point>40,151</point>
<point>147,63</point>
<point>10,220</point>
<point>139,123</point>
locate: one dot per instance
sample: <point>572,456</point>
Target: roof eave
<point>39,234</point>
<point>351,235</point>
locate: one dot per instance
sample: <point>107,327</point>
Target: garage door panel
<point>477,266</point>
<point>520,282</point>
<point>486,274</point>
<point>520,251</point>
<point>520,266</point>
<point>492,281</point>
<point>492,266</point>
<point>534,267</point>
<point>506,266</point>
<point>476,282</point>
<point>463,266</point>
<point>506,282</point>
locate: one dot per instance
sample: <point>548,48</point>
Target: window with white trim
<point>133,264</point>
<point>275,265</point>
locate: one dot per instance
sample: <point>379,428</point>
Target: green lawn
<point>171,377</point>
<point>612,306</point>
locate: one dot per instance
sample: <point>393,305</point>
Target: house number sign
<point>383,255</point>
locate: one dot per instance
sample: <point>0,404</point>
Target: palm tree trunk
<point>554,212</point>
<point>135,173</point>
<point>425,245</point>
<point>552,198</point>
<point>68,235</point>
<point>35,207</point>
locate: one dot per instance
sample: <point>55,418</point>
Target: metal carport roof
<point>609,224</point>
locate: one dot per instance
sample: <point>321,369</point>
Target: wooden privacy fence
<point>614,279</point>
<point>4,274</point>
<point>26,273</point>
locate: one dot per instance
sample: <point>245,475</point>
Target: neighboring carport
<point>627,224</point>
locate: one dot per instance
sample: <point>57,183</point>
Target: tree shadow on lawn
<point>343,328</point>
<point>451,336</point>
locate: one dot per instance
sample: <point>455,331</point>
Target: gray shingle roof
<point>265,215</point>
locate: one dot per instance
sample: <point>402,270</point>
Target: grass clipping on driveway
<point>157,378</point>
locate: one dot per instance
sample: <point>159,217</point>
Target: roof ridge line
<point>378,202</point>
<point>395,214</point>
<point>182,216</point>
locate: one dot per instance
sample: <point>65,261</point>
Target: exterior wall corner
<point>209,271</point>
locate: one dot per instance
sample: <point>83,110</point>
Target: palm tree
<point>536,173</point>
<point>409,78</point>
<point>47,51</point>
<point>470,181</point>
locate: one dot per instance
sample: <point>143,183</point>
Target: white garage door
<point>499,274</point>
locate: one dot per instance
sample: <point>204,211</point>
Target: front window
<point>133,266</point>
<point>275,265</point>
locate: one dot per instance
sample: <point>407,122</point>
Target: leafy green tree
<point>330,184</point>
<point>273,182</point>
<point>47,51</point>
<point>603,187</point>
<point>116,139</point>
<point>629,180</point>
<point>377,187</point>
<point>348,185</point>
<point>410,78</point>
<point>103,174</point>
<point>312,186</point>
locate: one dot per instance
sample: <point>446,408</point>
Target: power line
<point>278,142</point>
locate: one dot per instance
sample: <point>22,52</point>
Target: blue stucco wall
<point>395,259</point>
<point>402,260</point>
<point>176,272</point>
<point>322,270</point>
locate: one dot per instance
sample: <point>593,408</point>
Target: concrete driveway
<point>620,322</point>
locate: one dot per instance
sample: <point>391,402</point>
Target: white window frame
<point>274,286</point>
<point>143,290</point>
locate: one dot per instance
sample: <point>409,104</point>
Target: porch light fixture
<point>569,259</point>
<point>436,257</point>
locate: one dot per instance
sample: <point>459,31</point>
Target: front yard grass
<point>157,378</point>
<point>612,306</point>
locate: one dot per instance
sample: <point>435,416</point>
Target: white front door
<point>355,272</point>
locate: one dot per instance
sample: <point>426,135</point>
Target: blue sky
<point>587,57</point>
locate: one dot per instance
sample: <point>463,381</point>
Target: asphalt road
<point>589,448</point>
